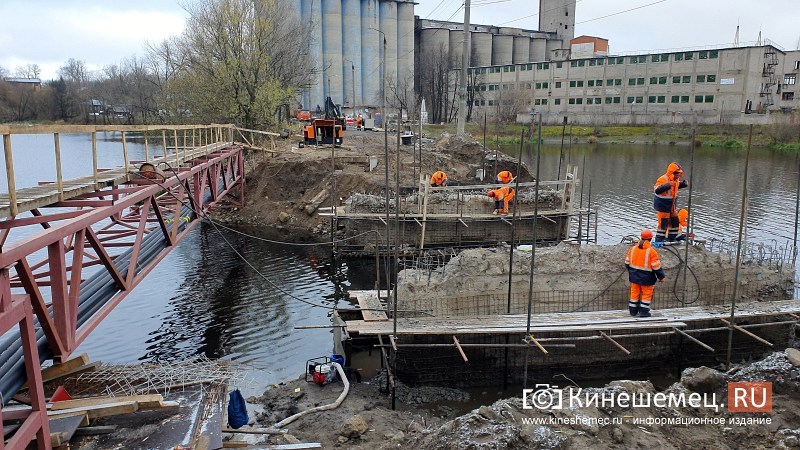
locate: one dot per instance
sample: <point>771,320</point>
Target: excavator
<point>328,130</point>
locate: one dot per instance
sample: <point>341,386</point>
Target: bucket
<point>338,359</point>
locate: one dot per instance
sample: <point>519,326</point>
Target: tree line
<point>237,61</point>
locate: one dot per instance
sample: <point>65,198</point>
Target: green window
<point>546,67</point>
<point>640,81</point>
<point>580,83</point>
<point>713,54</point>
<point>661,99</point>
<point>492,87</point>
<point>591,83</point>
<point>544,101</point>
<point>538,85</point>
<point>709,99</point>
<point>523,68</point>
<point>505,68</point>
<point>545,85</point>
<point>651,99</point>
<point>579,101</point>
<point>573,64</point>
<point>629,100</point>
<point>589,101</point>
<point>686,79</point>
<point>598,83</point>
<point>675,99</point>
<point>631,81</point>
<point>662,80</point>
<point>572,83</point>
<point>702,55</point>
<point>558,66</point>
<point>701,78</point>
<point>608,100</point>
<point>653,80</point>
<point>711,78</point>
<point>537,102</point>
<point>599,62</point>
<point>616,99</point>
<point>655,58</point>
<point>678,56</point>
<point>688,56</point>
<point>618,82</point>
<point>598,101</point>
<point>581,63</point>
<point>592,62</point>
<point>558,84</point>
<point>684,99</point>
<point>572,101</point>
<point>558,101</point>
<point>634,60</point>
<point>676,80</point>
<point>639,99</point>
<point>612,61</point>
<point>610,82</point>
<point>698,99</point>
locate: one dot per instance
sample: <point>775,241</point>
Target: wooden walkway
<point>370,306</point>
<point>48,194</point>
<point>591,321</point>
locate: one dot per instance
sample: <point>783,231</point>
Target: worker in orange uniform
<point>665,193</point>
<point>683,218</point>
<point>644,268</point>
<point>501,196</point>
<point>504,177</point>
<point>438,179</point>
<point>359,122</point>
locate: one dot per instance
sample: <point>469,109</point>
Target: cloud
<point>99,34</point>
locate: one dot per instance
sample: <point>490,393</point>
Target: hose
<point>333,405</point>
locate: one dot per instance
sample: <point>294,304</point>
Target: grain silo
<point>351,27</point>
<point>371,42</point>
<point>456,47</point>
<point>502,49</point>
<point>538,50</point>
<point>332,49</point>
<point>482,49</point>
<point>522,49</point>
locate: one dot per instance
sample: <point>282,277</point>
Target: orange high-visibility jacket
<point>438,178</point>
<point>502,192</point>
<point>644,266</point>
<point>665,191</point>
<point>505,177</point>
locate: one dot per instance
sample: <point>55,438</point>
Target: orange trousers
<point>667,226</point>
<point>641,297</point>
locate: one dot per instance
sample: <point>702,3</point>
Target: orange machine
<point>321,132</point>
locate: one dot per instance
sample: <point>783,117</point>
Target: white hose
<point>333,405</point>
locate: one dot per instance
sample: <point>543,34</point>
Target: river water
<point>204,299</point>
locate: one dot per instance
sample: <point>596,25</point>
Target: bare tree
<point>28,71</point>
<point>474,93</point>
<point>436,83</point>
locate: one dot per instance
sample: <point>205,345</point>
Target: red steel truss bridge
<point>71,250</point>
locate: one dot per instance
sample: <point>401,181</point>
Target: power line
<point>621,12</point>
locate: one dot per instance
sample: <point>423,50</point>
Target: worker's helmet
<point>683,214</point>
<point>491,194</point>
<point>646,234</point>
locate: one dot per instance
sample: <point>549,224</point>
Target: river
<point>203,299</point>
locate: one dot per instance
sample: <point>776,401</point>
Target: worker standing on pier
<point>501,196</point>
<point>665,194</point>
<point>504,177</point>
<point>438,179</point>
<point>359,123</point>
<point>644,268</point>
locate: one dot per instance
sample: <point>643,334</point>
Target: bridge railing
<point>162,143</point>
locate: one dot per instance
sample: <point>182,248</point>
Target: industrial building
<point>347,43</point>
<point>755,83</point>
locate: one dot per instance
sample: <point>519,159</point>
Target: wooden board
<point>371,308</point>
<point>566,322</point>
<point>109,409</point>
<point>144,401</point>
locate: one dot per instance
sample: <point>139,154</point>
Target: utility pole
<point>462,75</point>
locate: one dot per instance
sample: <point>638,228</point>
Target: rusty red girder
<point>105,230</point>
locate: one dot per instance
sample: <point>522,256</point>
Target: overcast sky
<point>102,32</point>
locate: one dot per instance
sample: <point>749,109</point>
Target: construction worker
<point>644,268</point>
<point>504,177</point>
<point>359,122</point>
<point>501,196</point>
<point>438,179</point>
<point>665,194</point>
<point>683,218</point>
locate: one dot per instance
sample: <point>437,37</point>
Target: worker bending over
<point>644,268</point>
<point>504,177</point>
<point>438,179</point>
<point>665,194</point>
<point>683,220</point>
<point>501,196</point>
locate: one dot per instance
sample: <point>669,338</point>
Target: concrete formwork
<point>371,42</point>
<point>352,65</point>
<point>332,49</point>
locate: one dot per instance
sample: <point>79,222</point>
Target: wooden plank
<point>253,431</point>
<point>85,368</point>
<point>460,350</point>
<point>477,328</point>
<point>144,401</point>
<point>234,444</point>
<point>533,339</point>
<point>56,369</point>
<point>371,307</point>
<point>109,409</point>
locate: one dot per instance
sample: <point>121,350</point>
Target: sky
<point>102,32</point>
